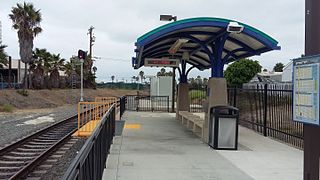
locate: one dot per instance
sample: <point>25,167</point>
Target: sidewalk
<point>155,146</point>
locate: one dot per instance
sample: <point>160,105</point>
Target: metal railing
<point>268,110</point>
<point>148,103</point>
<point>91,160</point>
<point>197,97</point>
<point>123,101</point>
<point>89,115</point>
<point>106,99</point>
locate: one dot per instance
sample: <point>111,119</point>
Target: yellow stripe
<point>132,126</point>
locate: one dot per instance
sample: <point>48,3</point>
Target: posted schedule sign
<point>306,90</point>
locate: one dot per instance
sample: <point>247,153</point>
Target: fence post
<point>265,92</point>
<point>235,97</point>
<point>168,104</point>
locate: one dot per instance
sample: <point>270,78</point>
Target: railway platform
<point>156,146</point>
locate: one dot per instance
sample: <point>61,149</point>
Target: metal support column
<point>173,89</point>
<point>311,133</point>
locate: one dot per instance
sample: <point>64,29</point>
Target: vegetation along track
<point>18,159</point>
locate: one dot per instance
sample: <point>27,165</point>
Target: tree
<point>94,69</point>
<point>205,81</point>
<point>199,80</point>
<point>40,67</point>
<point>68,68</point>
<point>26,20</point>
<point>133,78</point>
<point>163,72</point>
<point>57,63</point>
<point>241,71</point>
<point>3,56</point>
<point>141,74</point>
<point>278,67</point>
<point>112,78</point>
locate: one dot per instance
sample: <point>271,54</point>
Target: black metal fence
<point>148,103</point>
<point>197,95</point>
<point>267,109</point>
<point>123,101</point>
<point>91,160</point>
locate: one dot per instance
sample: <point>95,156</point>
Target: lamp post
<point>170,18</point>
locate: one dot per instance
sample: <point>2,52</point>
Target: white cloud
<point>119,23</point>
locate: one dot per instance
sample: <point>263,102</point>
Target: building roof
<point>201,35</point>
<point>14,64</point>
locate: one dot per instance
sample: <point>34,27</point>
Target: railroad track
<point>20,158</point>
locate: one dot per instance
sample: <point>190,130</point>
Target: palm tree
<point>94,69</point>
<point>137,80</point>
<point>112,78</point>
<point>68,68</point>
<point>205,81</point>
<point>57,64</point>
<point>40,67</point>
<point>26,20</point>
<point>133,78</point>
<point>141,74</point>
<point>3,56</point>
<point>162,72</point>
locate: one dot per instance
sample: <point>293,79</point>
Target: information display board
<point>306,90</point>
<point>161,62</point>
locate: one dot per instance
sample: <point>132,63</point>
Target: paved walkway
<point>155,146</point>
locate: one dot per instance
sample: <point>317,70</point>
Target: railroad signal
<point>82,54</point>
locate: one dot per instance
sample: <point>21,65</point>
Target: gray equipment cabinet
<point>223,127</point>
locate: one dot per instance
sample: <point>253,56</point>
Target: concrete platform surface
<point>155,146</point>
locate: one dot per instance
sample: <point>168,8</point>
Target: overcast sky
<point>119,23</point>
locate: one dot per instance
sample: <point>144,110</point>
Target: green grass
<point>197,94</point>
<point>6,108</point>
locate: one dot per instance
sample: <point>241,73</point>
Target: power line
<point>111,59</point>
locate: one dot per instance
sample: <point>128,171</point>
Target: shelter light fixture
<point>177,45</point>
<point>234,27</point>
<point>168,18</point>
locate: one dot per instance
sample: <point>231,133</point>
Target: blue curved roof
<point>202,34</point>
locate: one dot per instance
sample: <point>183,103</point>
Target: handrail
<point>90,161</point>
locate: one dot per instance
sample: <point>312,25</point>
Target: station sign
<point>161,62</point>
<point>306,74</point>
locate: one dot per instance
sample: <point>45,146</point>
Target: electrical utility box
<point>306,89</point>
<point>161,86</point>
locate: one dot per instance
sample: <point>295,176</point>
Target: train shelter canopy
<point>208,41</point>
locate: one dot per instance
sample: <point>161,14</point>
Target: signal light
<point>82,54</point>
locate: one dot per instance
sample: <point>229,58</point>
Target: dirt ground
<point>44,99</point>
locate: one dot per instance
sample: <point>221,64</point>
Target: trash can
<point>223,127</point>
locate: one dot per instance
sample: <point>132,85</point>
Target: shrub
<point>197,94</point>
<point>7,108</point>
<point>23,92</point>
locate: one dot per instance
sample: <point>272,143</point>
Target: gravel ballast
<point>60,167</point>
<point>17,125</point>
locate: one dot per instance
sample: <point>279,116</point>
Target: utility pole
<point>91,41</point>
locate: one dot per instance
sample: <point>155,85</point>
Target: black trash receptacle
<point>223,127</point>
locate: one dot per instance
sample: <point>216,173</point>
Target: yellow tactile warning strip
<point>132,126</point>
<point>87,129</point>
